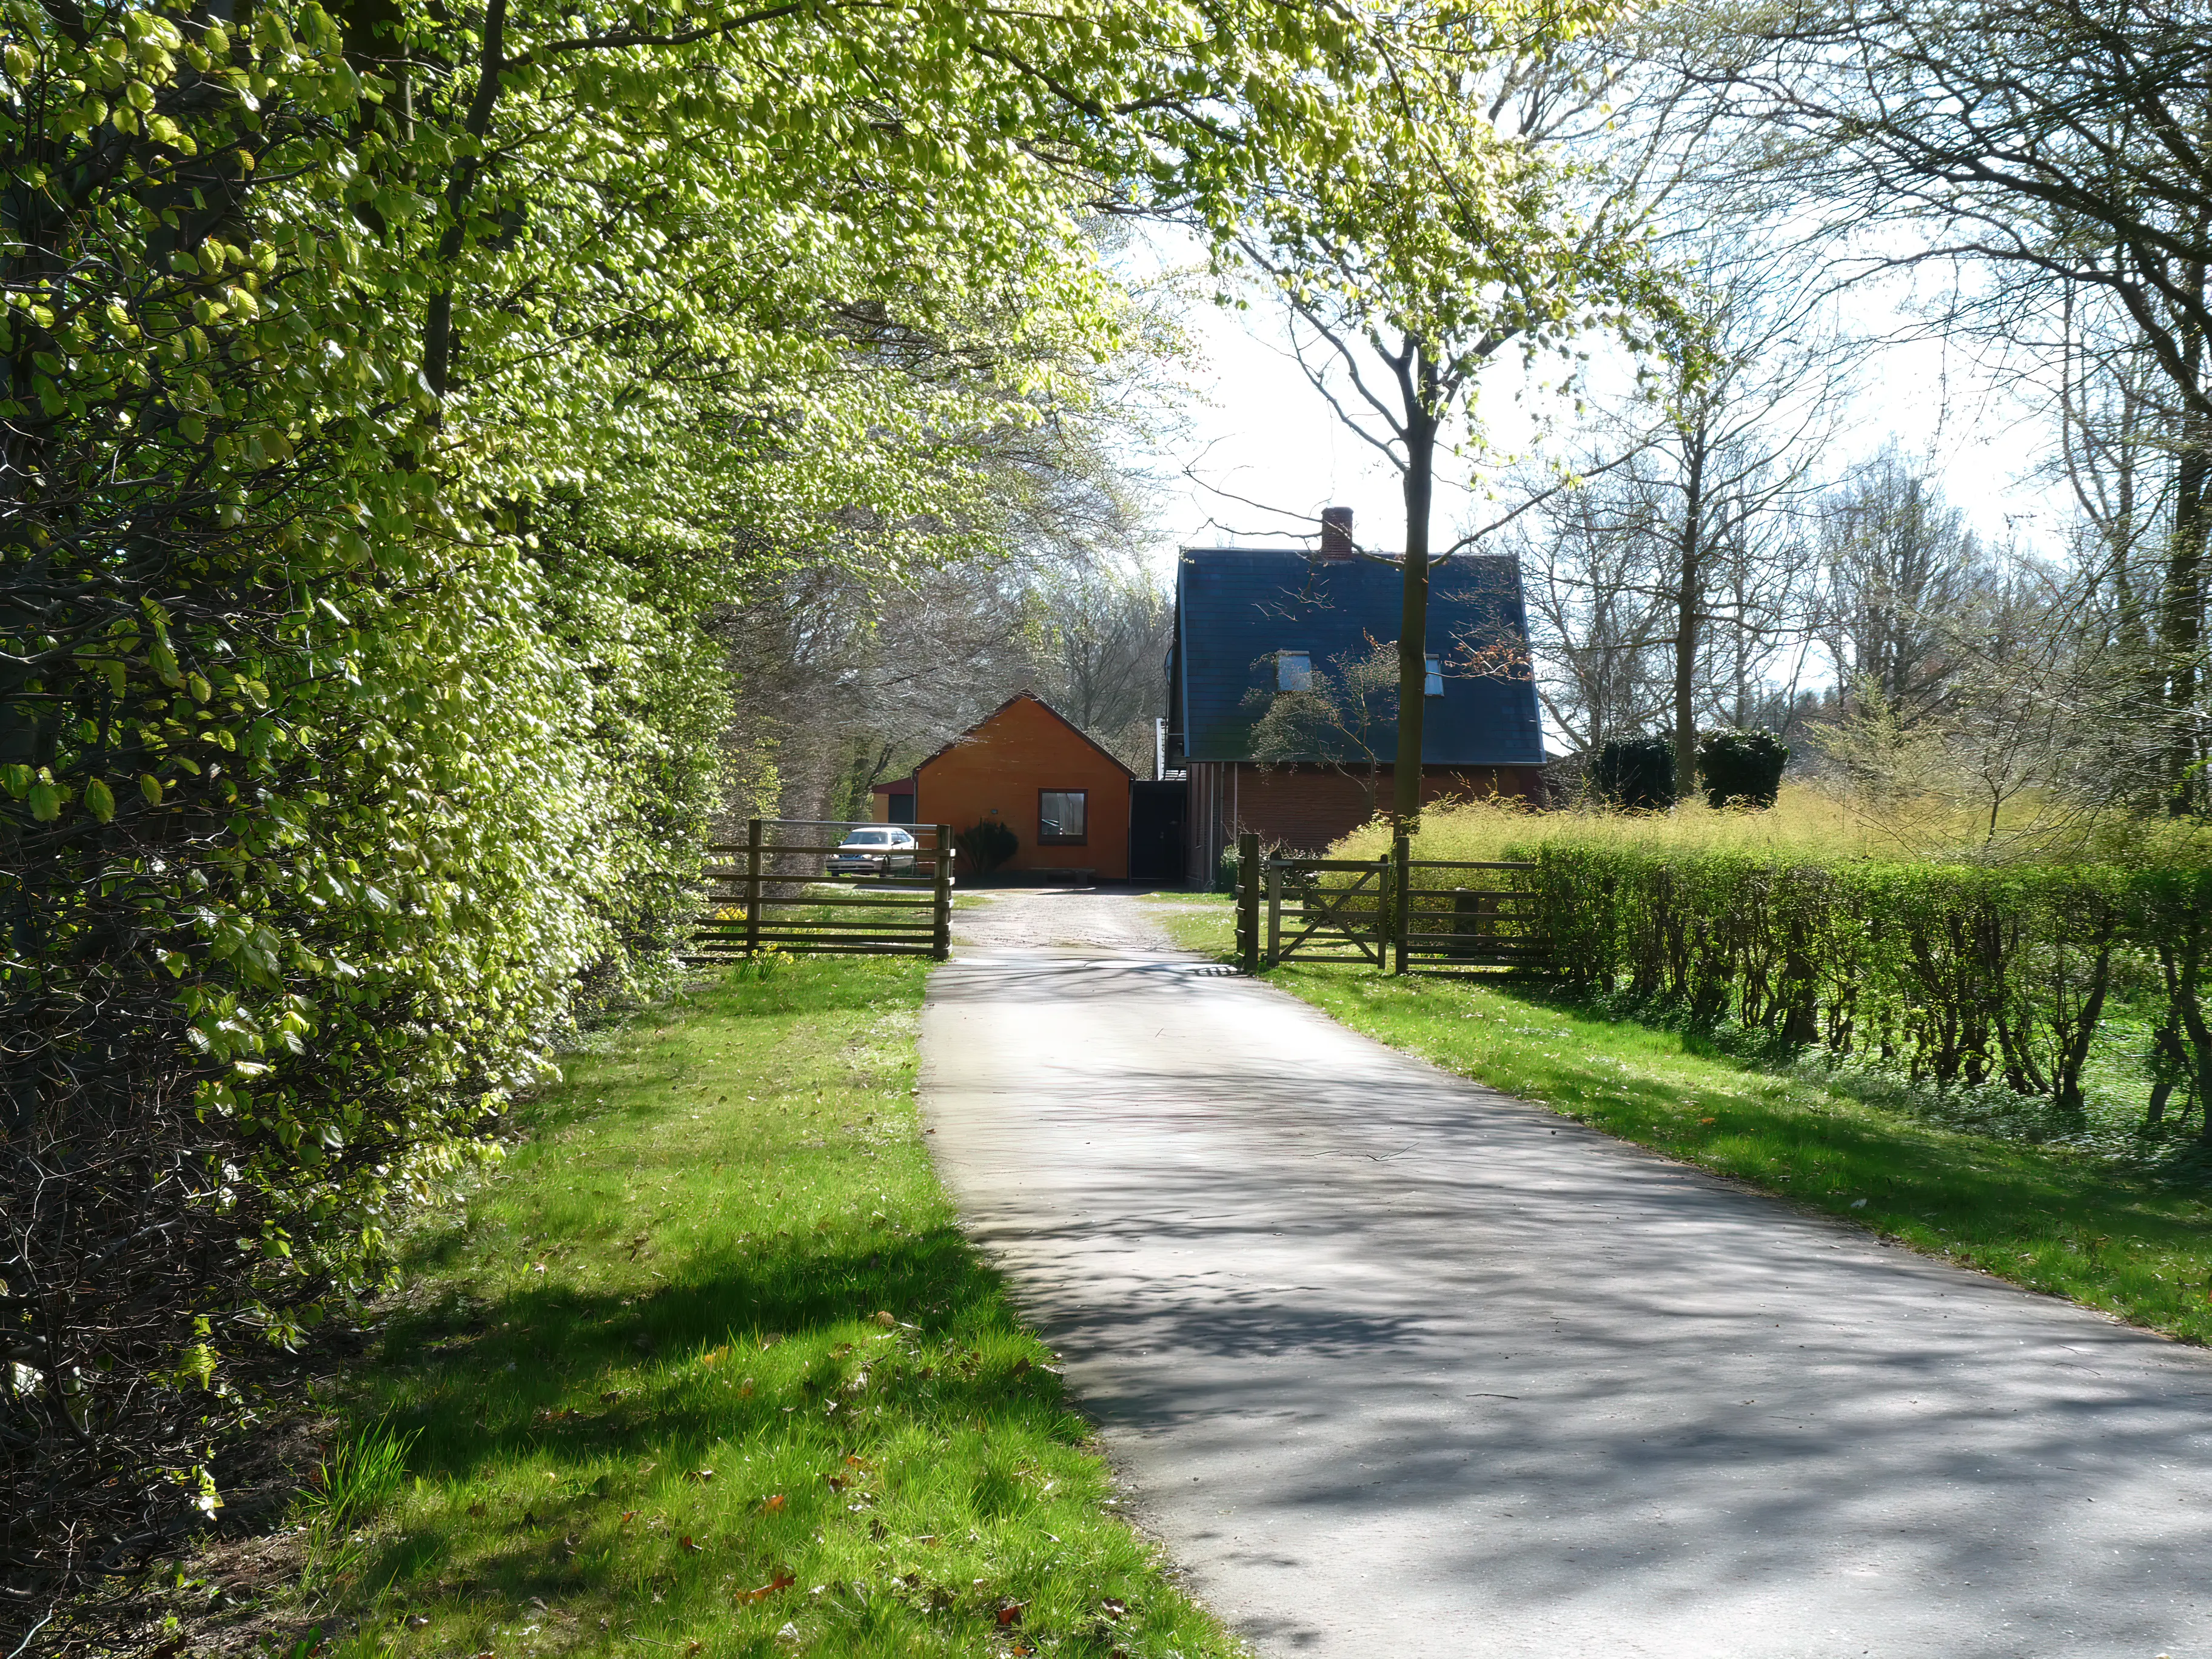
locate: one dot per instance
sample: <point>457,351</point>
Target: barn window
<point>1432,684</point>
<point>1063,816</point>
<point>1293,671</point>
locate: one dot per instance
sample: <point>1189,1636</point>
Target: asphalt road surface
<point>1394,1365</point>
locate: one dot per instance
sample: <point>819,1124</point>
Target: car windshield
<point>868,838</point>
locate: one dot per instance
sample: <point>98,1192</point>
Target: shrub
<point>985,846</point>
<point>1227,869</point>
<point>1636,775</point>
<point>1806,931</point>
<point>1960,975</point>
<point>1742,766</point>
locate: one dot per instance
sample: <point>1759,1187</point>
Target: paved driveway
<point>1397,1365</point>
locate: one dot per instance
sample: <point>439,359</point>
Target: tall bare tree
<point>2056,154</point>
<point>1898,563</point>
<point>1676,578</point>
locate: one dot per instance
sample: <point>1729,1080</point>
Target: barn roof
<point>1236,607</point>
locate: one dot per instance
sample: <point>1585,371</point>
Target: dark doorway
<point>1155,811</point>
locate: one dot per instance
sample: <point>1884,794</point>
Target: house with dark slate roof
<point>1253,624</point>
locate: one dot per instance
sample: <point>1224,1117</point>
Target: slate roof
<point>1236,607</point>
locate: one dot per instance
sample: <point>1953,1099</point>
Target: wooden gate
<point>775,888</point>
<point>1438,916</point>
<point>1348,920</point>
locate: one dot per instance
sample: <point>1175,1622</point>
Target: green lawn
<point>708,1370</point>
<point>2066,1224</point>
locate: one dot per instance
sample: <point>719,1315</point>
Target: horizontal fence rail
<point>1477,920</point>
<point>774,890</point>
<point>1419,915</point>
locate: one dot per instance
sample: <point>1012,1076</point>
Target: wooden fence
<point>775,889</point>
<point>1413,915</point>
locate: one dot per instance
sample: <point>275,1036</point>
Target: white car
<point>880,851</point>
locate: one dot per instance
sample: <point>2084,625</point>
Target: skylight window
<point>1293,671</point>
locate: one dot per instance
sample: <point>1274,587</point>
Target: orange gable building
<point>1065,798</point>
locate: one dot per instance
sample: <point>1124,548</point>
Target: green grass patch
<point>2063,1222</point>
<point>708,1370</point>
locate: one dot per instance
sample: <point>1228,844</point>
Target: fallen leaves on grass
<point>780,1578</point>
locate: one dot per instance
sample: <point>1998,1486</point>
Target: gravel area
<point>1059,919</point>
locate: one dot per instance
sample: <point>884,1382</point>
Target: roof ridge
<point>1024,692</point>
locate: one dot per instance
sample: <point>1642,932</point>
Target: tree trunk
<point>1413,619</point>
<point>2181,603</point>
<point>1689,602</point>
<point>438,315</point>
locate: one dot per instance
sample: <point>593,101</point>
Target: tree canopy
<point>399,400</point>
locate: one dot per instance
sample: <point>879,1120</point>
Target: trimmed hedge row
<point>1961,974</point>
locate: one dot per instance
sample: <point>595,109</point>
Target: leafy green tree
<point>1448,242</point>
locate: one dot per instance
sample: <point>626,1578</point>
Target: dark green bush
<point>1636,775</point>
<point>1742,766</point>
<point>985,846</point>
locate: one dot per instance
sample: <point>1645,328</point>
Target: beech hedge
<point>1960,974</point>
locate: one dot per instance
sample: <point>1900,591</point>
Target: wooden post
<point>1248,901</point>
<point>752,885</point>
<point>1274,915</point>
<point>1401,893</point>
<point>941,946</point>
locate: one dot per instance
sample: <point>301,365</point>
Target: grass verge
<point>709,1370</point>
<point>2066,1224</point>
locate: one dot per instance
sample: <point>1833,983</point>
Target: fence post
<point>752,885</point>
<point>1401,893</point>
<point>1248,901</point>
<point>941,946</point>
<point>1274,915</point>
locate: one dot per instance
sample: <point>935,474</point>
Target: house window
<point>1293,671</point>
<point>1063,816</point>
<point>1432,684</point>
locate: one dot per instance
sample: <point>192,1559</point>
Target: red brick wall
<point>1304,808</point>
<point>1303,811</point>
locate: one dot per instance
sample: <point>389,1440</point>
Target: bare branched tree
<point>2055,157</point>
<point>1342,717</point>
<point>1897,563</point>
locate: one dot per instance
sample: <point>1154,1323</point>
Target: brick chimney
<point>1336,532</point>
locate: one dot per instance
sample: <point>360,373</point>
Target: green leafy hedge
<point>396,400</point>
<point>1959,974</point>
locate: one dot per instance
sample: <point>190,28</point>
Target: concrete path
<point>1397,1365</point>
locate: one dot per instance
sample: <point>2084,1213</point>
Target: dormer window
<point>1432,682</point>
<point>1293,671</point>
